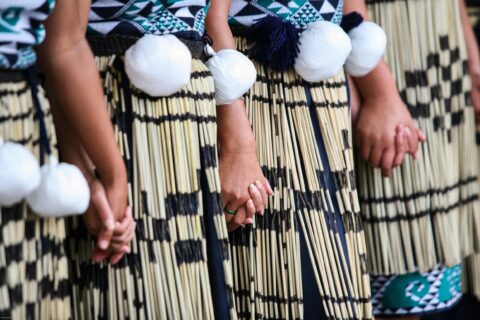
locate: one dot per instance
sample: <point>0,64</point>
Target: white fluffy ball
<point>158,65</point>
<point>19,173</point>
<point>63,191</point>
<point>324,47</point>
<point>368,46</point>
<point>233,74</point>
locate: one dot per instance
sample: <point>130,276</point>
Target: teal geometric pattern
<point>298,12</point>
<point>185,18</point>
<point>21,28</point>
<point>416,293</point>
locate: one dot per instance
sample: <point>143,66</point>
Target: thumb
<point>106,217</point>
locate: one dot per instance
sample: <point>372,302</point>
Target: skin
<point>473,60</point>
<point>375,99</point>
<point>244,187</point>
<point>85,134</point>
<point>381,78</point>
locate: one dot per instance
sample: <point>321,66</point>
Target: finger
<point>100,203</point>
<point>127,236</point>
<point>250,208</point>
<point>105,214</point>
<point>248,221</point>
<point>412,141</point>
<point>256,197</point>
<point>115,258</point>
<point>240,216</point>
<point>387,162</point>
<point>376,157</point>
<point>100,255</point>
<point>365,151</point>
<point>122,226</point>
<point>268,187</point>
<point>228,216</point>
<point>237,221</point>
<point>263,192</point>
<point>421,136</point>
<point>400,148</point>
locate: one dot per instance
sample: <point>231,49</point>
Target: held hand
<point>384,144</point>
<point>120,245</point>
<point>244,188</point>
<point>100,221</point>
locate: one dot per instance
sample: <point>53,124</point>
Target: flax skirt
<point>33,265</point>
<point>307,253</point>
<point>428,212</point>
<point>426,217</point>
<point>471,278</point>
<point>179,264</point>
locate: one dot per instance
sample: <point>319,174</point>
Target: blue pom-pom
<point>351,20</point>
<point>274,43</point>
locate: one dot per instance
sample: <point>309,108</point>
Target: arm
<point>80,114</point>
<point>395,133</point>
<point>243,185</point>
<point>473,58</point>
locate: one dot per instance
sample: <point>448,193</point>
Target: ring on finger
<point>230,212</point>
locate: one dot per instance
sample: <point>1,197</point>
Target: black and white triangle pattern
<point>138,17</point>
<point>298,12</point>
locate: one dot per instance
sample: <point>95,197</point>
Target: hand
<point>119,245</point>
<point>100,221</point>
<point>384,144</point>
<point>237,172</point>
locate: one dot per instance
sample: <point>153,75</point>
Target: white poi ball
<point>324,47</point>
<point>63,191</point>
<point>19,173</point>
<point>233,74</point>
<point>158,65</point>
<point>369,42</point>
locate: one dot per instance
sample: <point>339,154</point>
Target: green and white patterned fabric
<point>417,293</point>
<point>184,18</point>
<point>298,12</point>
<point>21,28</point>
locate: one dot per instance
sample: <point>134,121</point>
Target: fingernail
<point>250,203</point>
<point>258,183</point>
<point>103,244</point>
<point>252,187</point>
<point>262,213</point>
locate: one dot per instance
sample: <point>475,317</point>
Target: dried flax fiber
<point>33,266</point>
<point>428,212</point>
<point>169,147</point>
<point>303,143</point>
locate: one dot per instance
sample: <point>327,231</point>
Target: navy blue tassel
<point>274,43</point>
<point>351,20</point>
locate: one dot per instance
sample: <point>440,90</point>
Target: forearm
<point>234,132</point>
<point>88,117</point>
<point>379,81</point>
<point>216,25</point>
<point>69,145</point>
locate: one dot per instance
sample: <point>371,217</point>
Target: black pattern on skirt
<point>33,266</point>
<point>169,147</point>
<point>428,212</point>
<point>291,120</point>
<point>471,265</point>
